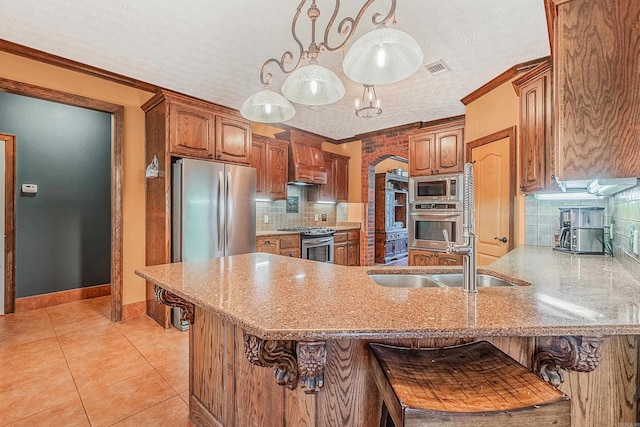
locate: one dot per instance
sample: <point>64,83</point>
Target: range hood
<point>306,158</point>
<point>590,188</point>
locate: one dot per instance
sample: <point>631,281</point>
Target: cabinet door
<point>277,164</point>
<point>446,259</point>
<point>535,108</point>
<point>191,131</point>
<point>421,154</point>
<point>340,255</point>
<point>353,253</point>
<point>596,58</point>
<point>259,161</point>
<point>233,140</point>
<point>449,151</point>
<point>268,244</point>
<point>342,179</point>
<point>421,258</point>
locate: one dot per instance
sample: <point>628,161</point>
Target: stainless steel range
<point>316,242</point>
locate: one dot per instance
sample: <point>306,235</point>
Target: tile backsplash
<point>625,214</point>
<point>542,220</point>
<point>622,212</point>
<point>278,217</point>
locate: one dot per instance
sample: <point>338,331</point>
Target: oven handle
<point>319,241</point>
<point>437,215</point>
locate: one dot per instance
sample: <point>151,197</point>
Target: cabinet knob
<point>503,239</point>
<point>522,186</point>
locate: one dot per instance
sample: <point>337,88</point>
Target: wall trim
<point>62,297</point>
<point>117,165</point>
<point>135,309</point>
<point>501,78</point>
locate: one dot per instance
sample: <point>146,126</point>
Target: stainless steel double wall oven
<point>435,204</point>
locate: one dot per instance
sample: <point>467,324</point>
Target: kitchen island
<point>311,322</point>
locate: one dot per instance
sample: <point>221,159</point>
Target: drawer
<point>340,237</point>
<point>293,252</point>
<point>290,241</point>
<point>270,244</point>
<point>353,235</point>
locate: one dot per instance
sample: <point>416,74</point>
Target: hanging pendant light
<point>382,56</point>
<point>369,106</point>
<point>313,85</point>
<point>267,106</point>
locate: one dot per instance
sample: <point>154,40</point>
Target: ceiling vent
<point>436,67</point>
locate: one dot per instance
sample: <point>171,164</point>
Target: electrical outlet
<point>324,217</point>
<point>316,217</point>
<point>266,219</point>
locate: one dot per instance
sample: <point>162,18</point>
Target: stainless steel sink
<point>404,281</point>
<point>399,280</point>
<point>456,280</point>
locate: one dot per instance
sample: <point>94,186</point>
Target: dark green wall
<point>63,234</point>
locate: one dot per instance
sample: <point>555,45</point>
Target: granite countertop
<point>275,297</point>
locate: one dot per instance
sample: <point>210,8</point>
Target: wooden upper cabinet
<point>437,150</point>
<point>201,130</point>
<point>233,140</point>
<point>421,154</point>
<point>449,146</point>
<point>534,89</point>
<point>259,161</point>
<point>269,157</point>
<point>337,187</point>
<point>191,131</point>
<point>341,174</point>
<point>277,169</point>
<point>596,58</point>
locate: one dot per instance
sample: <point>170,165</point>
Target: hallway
<point>68,365</point>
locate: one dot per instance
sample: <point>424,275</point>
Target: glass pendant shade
<point>313,85</point>
<point>267,106</point>
<point>382,56</point>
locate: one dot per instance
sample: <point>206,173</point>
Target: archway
<point>375,150</point>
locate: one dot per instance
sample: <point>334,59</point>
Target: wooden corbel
<point>555,354</point>
<point>172,300</point>
<point>293,362</point>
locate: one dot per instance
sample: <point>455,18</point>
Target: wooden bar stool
<point>472,384</point>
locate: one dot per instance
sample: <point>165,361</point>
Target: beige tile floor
<point>69,365</point>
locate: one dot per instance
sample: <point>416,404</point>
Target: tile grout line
<point>66,361</point>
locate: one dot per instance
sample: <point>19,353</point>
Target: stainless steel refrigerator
<point>213,213</point>
<point>214,210</point>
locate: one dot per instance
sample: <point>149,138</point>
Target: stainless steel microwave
<point>435,188</point>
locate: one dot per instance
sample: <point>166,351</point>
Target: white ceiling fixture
<point>382,56</point>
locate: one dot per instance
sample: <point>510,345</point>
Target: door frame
<point>496,136</point>
<point>9,222</point>
<point>117,163</point>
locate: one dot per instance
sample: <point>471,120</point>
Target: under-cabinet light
<point>578,195</point>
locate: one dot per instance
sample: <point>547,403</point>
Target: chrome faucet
<point>468,249</point>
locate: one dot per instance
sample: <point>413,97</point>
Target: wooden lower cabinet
<point>287,245</point>
<point>346,250</point>
<point>430,258</point>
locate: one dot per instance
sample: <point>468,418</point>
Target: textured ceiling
<point>214,49</point>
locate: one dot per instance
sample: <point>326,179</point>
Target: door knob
<point>503,240</point>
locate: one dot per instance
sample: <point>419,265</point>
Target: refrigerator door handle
<point>229,214</point>
<point>220,219</point>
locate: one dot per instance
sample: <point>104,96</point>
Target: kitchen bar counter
<point>573,319</point>
<point>273,297</point>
